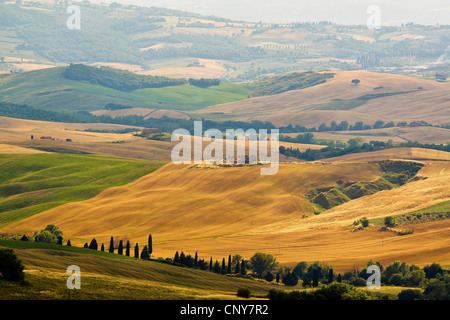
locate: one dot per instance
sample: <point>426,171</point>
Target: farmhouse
<point>46,138</point>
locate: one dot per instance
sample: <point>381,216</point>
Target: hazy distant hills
<point>168,42</point>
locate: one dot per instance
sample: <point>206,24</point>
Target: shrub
<point>359,282</point>
<point>51,234</point>
<point>410,294</point>
<point>290,279</point>
<point>389,222</point>
<point>269,277</point>
<point>365,222</point>
<point>11,266</point>
<point>437,290</point>
<point>334,291</point>
<point>243,293</point>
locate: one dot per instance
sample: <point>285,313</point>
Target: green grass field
<point>47,89</point>
<point>30,184</point>
<point>110,276</point>
<point>439,211</point>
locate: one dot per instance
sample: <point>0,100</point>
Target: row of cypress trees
<point>144,254</point>
<point>216,267</point>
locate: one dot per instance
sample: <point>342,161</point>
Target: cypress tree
<point>144,254</point>
<point>176,259</point>
<point>223,266</point>
<point>195,260</point>
<point>229,264</point>
<point>86,245</point>
<point>238,267</point>
<point>216,267</point>
<point>339,278</point>
<point>330,276</point>
<point>182,258</point>
<point>68,243</point>
<point>315,278</point>
<point>93,245</point>
<point>278,277</point>
<point>243,271</point>
<point>120,249</point>
<point>136,251</point>
<point>210,264</point>
<point>103,247</point>
<point>127,250</point>
<point>150,245</point>
<point>111,245</point>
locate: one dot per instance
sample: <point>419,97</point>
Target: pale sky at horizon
<point>429,12</point>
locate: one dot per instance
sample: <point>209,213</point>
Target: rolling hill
<point>48,89</point>
<point>378,96</point>
<point>221,211</point>
<point>32,183</point>
<point>107,276</point>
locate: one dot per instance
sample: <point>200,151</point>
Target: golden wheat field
<point>418,100</point>
<point>218,211</point>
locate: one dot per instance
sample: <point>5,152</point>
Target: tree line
<point>355,145</point>
<point>117,79</point>
<point>432,281</point>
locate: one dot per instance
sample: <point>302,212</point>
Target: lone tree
<point>68,243</point>
<point>356,81</point>
<point>111,245</point>
<point>102,248</point>
<point>389,222</point>
<point>120,249</point>
<point>93,245</point>
<point>11,267</point>
<point>150,244</point>
<point>136,251</point>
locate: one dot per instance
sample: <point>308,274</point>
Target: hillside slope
<point>112,277</point>
<point>221,211</point>
<point>48,89</point>
<point>377,97</point>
